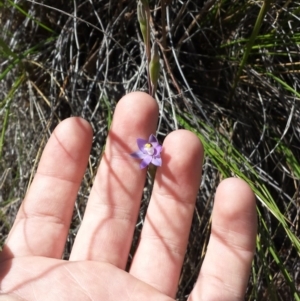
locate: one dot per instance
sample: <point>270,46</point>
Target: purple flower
<point>149,151</point>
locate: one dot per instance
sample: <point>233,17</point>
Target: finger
<point>159,257</point>
<point>42,223</point>
<point>226,267</point>
<point>111,213</point>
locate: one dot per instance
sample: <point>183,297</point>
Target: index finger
<point>42,223</point>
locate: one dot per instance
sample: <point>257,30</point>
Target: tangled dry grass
<point>79,58</point>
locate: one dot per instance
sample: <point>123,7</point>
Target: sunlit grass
<point>230,162</point>
<point>230,74</point>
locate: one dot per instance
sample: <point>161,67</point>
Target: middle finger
<point>107,228</point>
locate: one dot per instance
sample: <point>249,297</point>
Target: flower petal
<point>141,143</point>
<point>157,150</point>
<point>149,151</point>
<point>152,139</point>
<point>156,161</point>
<point>146,161</point>
<point>138,154</point>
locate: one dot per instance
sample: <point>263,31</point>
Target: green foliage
<point>230,162</point>
<point>142,18</point>
<point>7,102</point>
<point>23,12</point>
<point>263,11</point>
<point>154,67</point>
<point>230,74</point>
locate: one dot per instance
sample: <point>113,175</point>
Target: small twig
<point>143,14</point>
<point>163,24</point>
<point>208,4</point>
<point>148,50</point>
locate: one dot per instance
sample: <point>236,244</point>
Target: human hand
<point>30,263</point>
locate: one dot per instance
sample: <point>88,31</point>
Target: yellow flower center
<point>149,149</point>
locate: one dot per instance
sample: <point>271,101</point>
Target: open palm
<point>30,263</point>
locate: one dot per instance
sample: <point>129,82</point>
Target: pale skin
<point>30,263</point>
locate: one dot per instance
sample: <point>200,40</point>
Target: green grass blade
<point>264,8</point>
<point>30,17</point>
<point>230,165</point>
<point>284,84</point>
<point>7,103</point>
<point>5,50</point>
<point>18,59</point>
